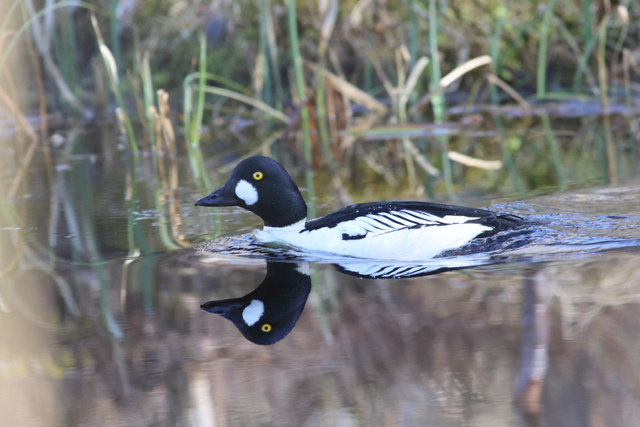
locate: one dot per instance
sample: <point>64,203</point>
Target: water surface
<point>101,321</point>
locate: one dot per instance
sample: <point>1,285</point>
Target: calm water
<point>101,321</point>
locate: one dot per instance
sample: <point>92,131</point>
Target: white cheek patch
<point>246,192</point>
<point>253,312</point>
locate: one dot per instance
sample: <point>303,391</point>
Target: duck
<point>267,315</point>
<point>390,230</point>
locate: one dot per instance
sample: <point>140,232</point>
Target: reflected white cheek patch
<point>253,312</point>
<point>246,192</point>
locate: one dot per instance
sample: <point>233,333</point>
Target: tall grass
<point>423,35</point>
<point>541,77</point>
<point>438,100</point>
<point>112,71</point>
<point>296,59</point>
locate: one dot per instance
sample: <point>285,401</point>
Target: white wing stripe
<point>398,218</point>
<point>370,222</point>
<point>425,216</point>
<point>413,215</point>
<point>382,220</point>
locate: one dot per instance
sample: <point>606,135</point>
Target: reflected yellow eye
<point>266,327</point>
<point>257,176</point>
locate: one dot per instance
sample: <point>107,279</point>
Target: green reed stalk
<point>321,111</point>
<point>187,106</point>
<point>264,49</point>
<point>131,197</point>
<point>601,150</point>
<point>70,49</point>
<point>148,96</point>
<point>413,34</point>
<point>541,78</point>
<point>322,313</point>
<point>612,173</point>
<point>587,18</point>
<point>330,13</point>
<point>91,245</point>
<point>112,71</point>
<point>113,27</point>
<point>197,123</point>
<point>368,66</point>
<point>555,151</point>
<point>494,51</point>
<point>582,63</point>
<point>299,80</point>
<point>273,55</point>
<point>163,222</point>
<point>438,100</point>
<point>256,103</point>
<point>493,95</point>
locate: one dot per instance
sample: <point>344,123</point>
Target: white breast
<point>387,236</point>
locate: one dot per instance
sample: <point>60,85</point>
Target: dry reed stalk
<point>352,92</point>
<point>455,74</point>
<point>391,90</point>
<point>383,171</point>
<point>512,92</point>
<point>420,159</point>
<point>33,136</point>
<point>332,120</point>
<point>313,135</point>
<point>473,162</point>
<point>623,12</point>
<point>167,128</point>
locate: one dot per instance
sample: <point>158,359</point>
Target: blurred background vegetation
<point>108,134</point>
<point>455,97</point>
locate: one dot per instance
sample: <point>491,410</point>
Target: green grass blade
<point>541,78</point>
<point>296,59</point>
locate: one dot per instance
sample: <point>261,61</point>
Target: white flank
<point>246,192</point>
<point>253,312</point>
<point>404,235</point>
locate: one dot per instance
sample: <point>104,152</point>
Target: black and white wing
<point>370,219</point>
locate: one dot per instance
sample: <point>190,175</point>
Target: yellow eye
<point>266,327</point>
<point>257,176</point>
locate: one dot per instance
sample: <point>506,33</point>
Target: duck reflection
<point>269,313</point>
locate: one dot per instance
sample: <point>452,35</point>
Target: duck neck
<point>296,226</point>
<point>288,209</point>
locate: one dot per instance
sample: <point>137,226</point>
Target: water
<point>101,321</point>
